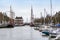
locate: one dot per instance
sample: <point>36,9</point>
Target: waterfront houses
<point>1,17</point>
<point>19,21</point>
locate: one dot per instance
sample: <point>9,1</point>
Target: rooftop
<point>18,18</point>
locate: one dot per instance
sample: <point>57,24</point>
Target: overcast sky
<point>23,7</point>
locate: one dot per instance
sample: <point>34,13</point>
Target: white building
<point>18,21</point>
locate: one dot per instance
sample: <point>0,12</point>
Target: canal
<point>21,33</point>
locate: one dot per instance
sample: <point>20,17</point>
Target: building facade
<point>1,17</point>
<point>18,21</point>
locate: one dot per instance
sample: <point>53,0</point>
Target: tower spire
<point>11,13</point>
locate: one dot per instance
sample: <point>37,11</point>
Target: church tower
<point>12,14</point>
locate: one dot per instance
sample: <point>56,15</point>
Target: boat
<point>53,33</point>
<point>44,27</point>
<point>32,25</point>
<point>57,25</point>
<point>3,25</point>
<point>46,32</point>
<point>36,28</point>
<point>37,24</point>
<point>22,24</point>
<point>58,37</point>
<point>41,28</point>
<point>58,31</point>
<point>19,24</point>
<point>9,25</point>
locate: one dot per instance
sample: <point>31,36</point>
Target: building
<point>18,21</point>
<point>1,17</point>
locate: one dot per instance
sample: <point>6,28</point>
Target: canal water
<point>21,33</point>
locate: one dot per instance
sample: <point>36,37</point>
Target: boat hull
<point>47,33</point>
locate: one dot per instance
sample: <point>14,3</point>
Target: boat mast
<point>51,9</point>
<point>41,17</point>
<point>51,14</point>
<point>44,15</point>
<point>32,16</point>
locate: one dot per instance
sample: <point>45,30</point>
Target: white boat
<point>53,33</point>
<point>58,37</point>
<point>44,27</point>
<point>46,32</point>
<point>19,24</point>
<point>3,25</point>
<point>16,24</point>
<point>58,31</point>
<point>41,27</point>
<point>36,28</point>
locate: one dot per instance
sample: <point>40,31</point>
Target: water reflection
<point>21,33</point>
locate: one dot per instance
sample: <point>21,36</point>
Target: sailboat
<point>32,18</point>
<point>45,29</point>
